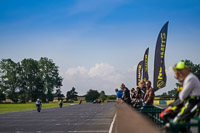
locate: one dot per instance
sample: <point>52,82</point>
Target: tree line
<point>91,95</point>
<point>29,79</point>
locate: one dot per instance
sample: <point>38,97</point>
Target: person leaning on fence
<point>142,89</point>
<point>149,96</point>
<point>190,93</point>
<point>132,95</point>
<point>126,94</point>
<point>137,102</point>
<point>119,93</point>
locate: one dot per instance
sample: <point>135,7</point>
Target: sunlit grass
<point>4,108</point>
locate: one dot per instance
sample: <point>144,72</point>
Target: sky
<point>97,44</point>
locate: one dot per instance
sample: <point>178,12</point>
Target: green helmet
<point>180,65</point>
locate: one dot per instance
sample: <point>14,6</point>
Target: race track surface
<point>84,118</point>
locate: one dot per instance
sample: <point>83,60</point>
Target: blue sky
<point>97,44</point>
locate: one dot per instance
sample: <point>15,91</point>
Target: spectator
<point>132,94</point>
<point>119,93</point>
<point>149,96</point>
<point>142,89</point>
<point>137,102</point>
<point>126,93</point>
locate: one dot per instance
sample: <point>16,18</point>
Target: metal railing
<point>195,122</point>
<point>153,112</point>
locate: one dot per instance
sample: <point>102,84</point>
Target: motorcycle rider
<point>60,103</point>
<point>173,108</point>
<point>38,104</point>
<point>190,93</point>
<point>189,96</point>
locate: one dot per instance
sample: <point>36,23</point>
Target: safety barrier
<point>153,112</point>
<point>195,122</point>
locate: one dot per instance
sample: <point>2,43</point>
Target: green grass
<point>5,108</point>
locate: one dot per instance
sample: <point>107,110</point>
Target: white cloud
<point>105,77</point>
<point>99,77</point>
<point>77,71</point>
<point>101,70</point>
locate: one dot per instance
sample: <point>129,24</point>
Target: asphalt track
<point>84,118</point>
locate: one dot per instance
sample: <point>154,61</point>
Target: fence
<point>153,113</point>
<point>195,122</point>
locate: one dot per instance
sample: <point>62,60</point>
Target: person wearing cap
<point>190,94</point>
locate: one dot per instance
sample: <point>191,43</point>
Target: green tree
<point>59,94</point>
<point>92,95</point>
<point>30,78</point>
<point>2,90</point>
<point>172,93</point>
<point>194,68</point>
<point>50,76</point>
<point>102,96</point>
<point>112,97</point>
<point>72,94</point>
<point>2,96</point>
<point>9,78</point>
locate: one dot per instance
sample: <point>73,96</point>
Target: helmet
<point>38,99</point>
<point>180,65</point>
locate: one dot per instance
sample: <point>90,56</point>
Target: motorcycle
<point>38,106</point>
<point>60,104</point>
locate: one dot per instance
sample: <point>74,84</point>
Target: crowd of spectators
<point>143,95</point>
<point>185,106</point>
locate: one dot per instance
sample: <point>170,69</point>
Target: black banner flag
<point>160,77</point>
<point>145,66</point>
<point>139,72</point>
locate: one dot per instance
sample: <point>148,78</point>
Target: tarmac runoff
<point>84,118</point>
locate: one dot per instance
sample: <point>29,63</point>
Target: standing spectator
<point>126,93</point>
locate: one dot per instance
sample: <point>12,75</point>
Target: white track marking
<point>111,126</point>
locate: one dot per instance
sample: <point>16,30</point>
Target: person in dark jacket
<point>142,86</point>
<point>126,93</point>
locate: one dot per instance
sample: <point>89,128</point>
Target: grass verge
<point>5,108</point>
